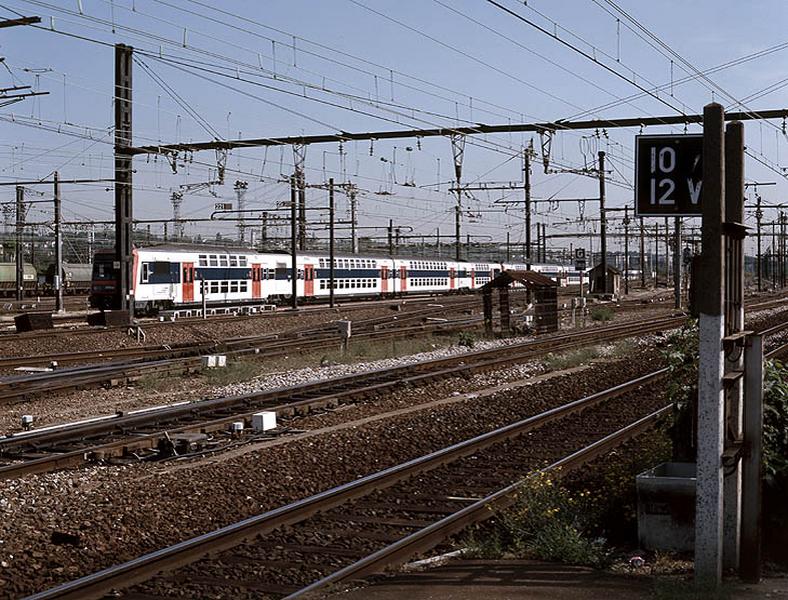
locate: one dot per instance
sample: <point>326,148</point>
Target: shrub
<point>466,338</point>
<point>601,313</point>
<point>775,421</point>
<point>546,522</point>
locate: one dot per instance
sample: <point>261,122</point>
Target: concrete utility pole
<point>758,217</point>
<point>301,211</point>
<point>123,180</point>
<point>293,243</point>
<point>527,188</point>
<point>752,476</point>
<point>19,255</point>
<point>58,281</point>
<point>352,191</point>
<point>603,221</point>
<point>734,323</point>
<point>176,200</point>
<point>656,255</point>
<point>774,255</point>
<point>457,234</point>
<point>264,230</point>
<point>331,242</point>
<point>782,249</point>
<point>626,249</point>
<point>711,397</point>
<point>677,263</point>
<point>642,255</point>
<point>391,237</point>
<point>544,242</point>
<point>240,188</point>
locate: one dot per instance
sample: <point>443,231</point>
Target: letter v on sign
<point>669,175</point>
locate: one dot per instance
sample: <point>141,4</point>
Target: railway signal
<point>668,175</point>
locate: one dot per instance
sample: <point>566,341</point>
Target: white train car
<point>175,276</point>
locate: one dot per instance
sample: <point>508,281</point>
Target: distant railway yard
<point>381,451</point>
<point>393,300</point>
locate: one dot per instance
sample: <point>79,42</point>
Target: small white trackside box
<point>263,421</point>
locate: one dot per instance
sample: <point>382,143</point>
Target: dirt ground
<point>534,580</point>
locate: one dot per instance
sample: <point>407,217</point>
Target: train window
<point>213,260</point>
<point>223,262</point>
<point>233,260</point>
<point>233,287</point>
<point>214,287</point>
<point>242,261</point>
<point>225,286</point>
<point>203,260</point>
<point>145,272</point>
<point>242,286</point>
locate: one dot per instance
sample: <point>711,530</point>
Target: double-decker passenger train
<point>171,277</point>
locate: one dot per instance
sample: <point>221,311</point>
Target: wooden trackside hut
<point>597,281</point>
<point>545,296</point>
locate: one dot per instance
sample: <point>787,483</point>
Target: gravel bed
<point>88,403</point>
<point>239,574</point>
<point>185,332</point>
<point>99,516</point>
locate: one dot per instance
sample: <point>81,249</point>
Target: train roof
<point>229,250</point>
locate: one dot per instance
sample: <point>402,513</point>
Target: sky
<point>207,70</point>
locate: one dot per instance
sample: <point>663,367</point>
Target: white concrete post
<point>709,506</point>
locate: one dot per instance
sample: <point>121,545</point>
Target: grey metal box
<point>666,507</point>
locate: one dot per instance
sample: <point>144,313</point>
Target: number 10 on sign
<point>668,175</point>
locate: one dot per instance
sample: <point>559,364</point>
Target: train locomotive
<point>167,277</point>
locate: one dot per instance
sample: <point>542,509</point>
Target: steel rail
<point>412,373</point>
<point>22,386</point>
<point>359,388</point>
<point>429,537</point>
<point>188,551</point>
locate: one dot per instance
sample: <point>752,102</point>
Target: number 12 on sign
<point>668,175</point>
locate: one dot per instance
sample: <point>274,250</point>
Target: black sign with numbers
<point>668,175</point>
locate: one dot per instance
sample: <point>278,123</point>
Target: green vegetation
<point>681,354</point>
<point>775,421</point>
<point>466,338</point>
<point>601,313</point>
<point>156,382</point>
<point>235,371</point>
<point>546,522</point>
<point>683,589</point>
<point>567,360</point>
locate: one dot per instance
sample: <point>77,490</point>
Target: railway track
<point>362,527</point>
<point>151,323</point>
<point>155,352</point>
<point>187,358</point>
<point>153,432</point>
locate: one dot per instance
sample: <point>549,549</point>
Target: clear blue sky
<point>444,62</point>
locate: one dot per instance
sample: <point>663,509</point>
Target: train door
<point>309,280</point>
<point>452,275</point>
<point>188,282</point>
<point>473,279</point>
<point>257,281</point>
<point>384,279</point>
<point>403,278</point>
